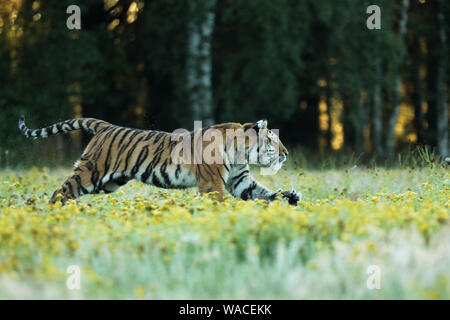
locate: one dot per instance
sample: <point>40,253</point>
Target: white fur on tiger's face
<point>270,151</point>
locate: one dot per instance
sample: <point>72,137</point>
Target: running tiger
<point>115,155</point>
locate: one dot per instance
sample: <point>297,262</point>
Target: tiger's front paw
<point>272,196</point>
<point>292,196</point>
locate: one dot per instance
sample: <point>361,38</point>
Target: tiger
<point>115,155</point>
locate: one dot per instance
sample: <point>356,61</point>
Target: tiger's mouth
<point>278,159</point>
<point>277,162</point>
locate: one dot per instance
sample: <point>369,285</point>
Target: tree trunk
<point>417,94</point>
<point>390,130</point>
<point>346,119</point>
<point>199,73</point>
<point>431,115</point>
<point>377,112</point>
<point>329,95</point>
<point>311,115</point>
<point>441,94</point>
<point>359,119</point>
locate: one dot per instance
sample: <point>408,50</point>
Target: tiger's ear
<point>258,125</point>
<point>261,124</point>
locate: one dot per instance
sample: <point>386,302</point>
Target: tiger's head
<point>268,151</point>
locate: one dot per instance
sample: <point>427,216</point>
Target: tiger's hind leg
<point>81,183</point>
<point>72,188</point>
<point>78,184</point>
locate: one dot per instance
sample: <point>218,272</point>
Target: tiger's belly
<point>169,177</point>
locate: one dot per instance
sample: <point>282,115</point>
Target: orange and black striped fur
<point>117,154</point>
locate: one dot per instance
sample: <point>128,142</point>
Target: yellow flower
<point>140,292</point>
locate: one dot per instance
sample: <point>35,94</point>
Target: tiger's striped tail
<point>90,125</point>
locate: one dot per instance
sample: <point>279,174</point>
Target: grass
<point>145,242</point>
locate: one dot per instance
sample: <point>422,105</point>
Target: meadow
<point>149,243</point>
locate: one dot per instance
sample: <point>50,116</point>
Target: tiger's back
<point>118,154</point>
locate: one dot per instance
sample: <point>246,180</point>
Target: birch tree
<point>199,65</point>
